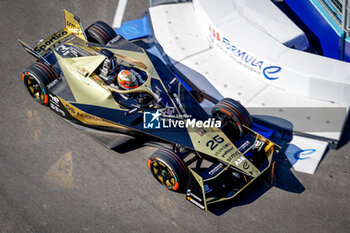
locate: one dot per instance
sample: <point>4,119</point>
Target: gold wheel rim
<point>163,174</point>
<point>34,88</point>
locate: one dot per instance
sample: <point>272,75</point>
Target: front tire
<point>232,110</point>
<point>100,33</point>
<point>35,78</point>
<point>168,169</point>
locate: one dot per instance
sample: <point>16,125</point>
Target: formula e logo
<point>130,30</point>
<point>151,120</point>
<point>243,57</point>
<point>270,71</point>
<point>303,153</point>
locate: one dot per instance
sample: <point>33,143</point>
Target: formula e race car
<point>109,87</point>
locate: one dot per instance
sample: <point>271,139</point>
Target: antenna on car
<point>81,26</point>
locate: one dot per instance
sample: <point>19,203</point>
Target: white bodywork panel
<point>178,29</point>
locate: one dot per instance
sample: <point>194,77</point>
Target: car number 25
<point>214,142</point>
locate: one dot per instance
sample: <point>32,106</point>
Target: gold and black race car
<point>210,155</point>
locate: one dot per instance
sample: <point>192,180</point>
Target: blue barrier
<point>347,49</point>
<point>325,35</point>
<point>134,29</point>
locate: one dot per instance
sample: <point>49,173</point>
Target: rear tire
<point>35,78</point>
<point>100,33</point>
<point>168,169</point>
<point>232,110</point>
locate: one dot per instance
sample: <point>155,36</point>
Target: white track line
<point>119,13</point>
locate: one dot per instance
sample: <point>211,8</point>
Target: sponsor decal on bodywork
<point>86,118</point>
<point>55,105</point>
<point>48,42</point>
<point>54,99</point>
<point>189,193</point>
<point>218,145</point>
<point>52,84</point>
<point>196,203</point>
<point>57,109</point>
<point>215,169</point>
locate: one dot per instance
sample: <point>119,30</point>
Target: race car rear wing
<point>72,26</point>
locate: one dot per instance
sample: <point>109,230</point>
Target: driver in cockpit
<point>127,80</point>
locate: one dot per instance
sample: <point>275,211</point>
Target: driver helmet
<point>127,80</point>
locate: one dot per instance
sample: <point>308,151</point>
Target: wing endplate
<point>72,24</point>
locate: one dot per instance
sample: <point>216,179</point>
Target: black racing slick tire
<point>235,112</point>
<point>168,169</point>
<point>36,78</point>
<point>100,33</point>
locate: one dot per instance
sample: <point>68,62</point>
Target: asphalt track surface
<point>53,178</point>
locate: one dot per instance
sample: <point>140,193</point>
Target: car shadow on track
<point>279,175</point>
<point>128,146</point>
<point>136,143</point>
